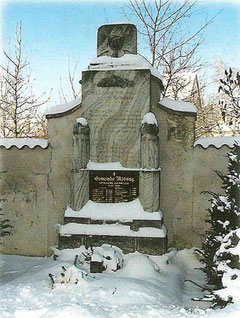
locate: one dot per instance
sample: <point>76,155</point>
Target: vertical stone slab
<point>117,39</point>
<point>149,146</point>
<point>81,154</point>
<point>80,189</point>
<point>81,142</point>
<point>149,179</point>
<point>114,103</point>
<point>149,190</point>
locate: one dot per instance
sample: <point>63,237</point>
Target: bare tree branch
<point>18,103</point>
<point>75,92</point>
<point>172,51</point>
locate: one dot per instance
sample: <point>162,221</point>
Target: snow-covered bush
<point>224,221</point>
<point>70,275</point>
<point>110,257</point>
<point>228,259</point>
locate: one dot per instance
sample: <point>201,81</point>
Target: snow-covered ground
<point>143,287</point>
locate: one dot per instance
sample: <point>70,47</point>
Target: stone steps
<point>145,245</point>
<point>144,236</point>
<point>134,224</point>
<point>125,225</point>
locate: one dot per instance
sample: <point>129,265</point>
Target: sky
<point>56,33</point>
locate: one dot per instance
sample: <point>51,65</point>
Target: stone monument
<point>116,150</point>
<point>103,160</point>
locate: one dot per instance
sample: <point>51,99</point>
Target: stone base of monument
<point>125,225</point>
<point>145,245</point>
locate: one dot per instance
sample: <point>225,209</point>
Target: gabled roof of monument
<point>63,109</point>
<point>126,62</point>
<point>217,142</point>
<point>23,142</point>
<point>178,106</point>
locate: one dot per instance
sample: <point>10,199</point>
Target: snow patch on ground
<point>21,142</point>
<point>158,290</point>
<point>217,142</point>
<point>178,105</point>
<point>126,62</point>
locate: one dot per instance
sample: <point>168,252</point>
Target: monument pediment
<point>116,39</point>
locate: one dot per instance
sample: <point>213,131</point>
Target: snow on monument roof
<point>178,105</point>
<point>217,142</point>
<point>63,108</point>
<point>113,23</point>
<point>126,62</point>
<point>21,142</point>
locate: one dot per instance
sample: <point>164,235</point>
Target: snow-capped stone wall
<point>25,195</point>
<point>23,142</point>
<point>217,142</point>
<point>63,109</point>
<point>207,160</point>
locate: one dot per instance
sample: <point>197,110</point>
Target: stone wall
<point>35,189</point>
<point>60,134</point>
<point>35,183</point>
<point>25,199</point>
<point>205,162</point>
<point>186,172</point>
<point>176,162</point>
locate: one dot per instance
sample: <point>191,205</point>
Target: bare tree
<point>172,52</point>
<point>75,92</point>
<point>208,116</point>
<point>3,114</point>
<point>218,113</point>
<point>18,103</point>
<point>229,91</point>
<point>208,119</point>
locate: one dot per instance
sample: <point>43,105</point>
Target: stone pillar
<point>149,146</point>
<point>79,189</point>
<point>149,179</point>
<point>149,190</point>
<point>81,143</point>
<point>81,155</point>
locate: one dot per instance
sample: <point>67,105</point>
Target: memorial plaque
<point>111,186</point>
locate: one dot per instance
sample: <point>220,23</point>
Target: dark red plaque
<point>113,186</point>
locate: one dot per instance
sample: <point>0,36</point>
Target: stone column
<point>149,146</point>
<point>149,179</point>
<point>81,149</point>
<point>81,155</point>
